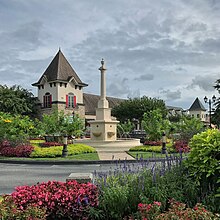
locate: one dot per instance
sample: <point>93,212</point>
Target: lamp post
<point>64,151</point>
<point>164,150</point>
<point>210,101</point>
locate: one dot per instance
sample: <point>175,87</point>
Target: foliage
<point>17,100</point>
<point>18,151</point>
<point>148,211</point>
<point>154,124</point>
<point>203,160</point>
<point>135,108</point>
<point>178,210</point>
<point>58,123</point>
<point>187,127</point>
<point>153,143</point>
<point>216,115</point>
<point>181,146</point>
<point>17,129</point>
<point>50,144</point>
<point>57,151</point>
<point>9,211</point>
<point>68,200</point>
<point>123,129</point>
<point>156,149</point>
<point>125,187</point>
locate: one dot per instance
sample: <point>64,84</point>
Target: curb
<point>79,162</point>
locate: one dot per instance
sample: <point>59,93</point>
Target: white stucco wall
<point>62,92</point>
<point>202,115</point>
<point>52,90</point>
<point>59,92</point>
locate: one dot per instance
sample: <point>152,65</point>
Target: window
<point>47,100</point>
<point>198,115</point>
<point>70,100</point>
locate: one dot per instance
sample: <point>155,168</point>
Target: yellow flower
<point>7,121</point>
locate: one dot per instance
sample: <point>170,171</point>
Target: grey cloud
<point>145,77</point>
<point>205,83</point>
<point>171,95</point>
<point>211,45</point>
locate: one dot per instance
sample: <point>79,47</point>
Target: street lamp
<point>210,101</point>
<point>64,151</point>
<point>164,140</point>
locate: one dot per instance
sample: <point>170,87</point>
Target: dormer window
<point>70,100</point>
<point>42,86</point>
<point>47,100</point>
<point>51,84</point>
<point>76,86</point>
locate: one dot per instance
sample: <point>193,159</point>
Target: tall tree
<point>216,115</point>
<point>135,108</point>
<point>17,100</point>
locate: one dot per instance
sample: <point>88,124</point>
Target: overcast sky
<point>168,49</point>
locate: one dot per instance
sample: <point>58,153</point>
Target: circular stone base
<point>112,146</point>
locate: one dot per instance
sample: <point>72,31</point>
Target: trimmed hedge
<point>156,149</point>
<point>56,151</point>
<point>19,151</point>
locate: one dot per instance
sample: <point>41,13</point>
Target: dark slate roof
<point>174,108</point>
<point>91,102</point>
<point>59,70</point>
<point>197,106</point>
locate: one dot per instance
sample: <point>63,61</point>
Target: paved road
<point>12,175</point>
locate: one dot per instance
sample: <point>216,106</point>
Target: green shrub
<point>203,164</point>
<point>122,192</point>
<point>9,211</point>
<point>56,151</point>
<point>156,149</point>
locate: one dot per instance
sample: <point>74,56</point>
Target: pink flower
<point>140,205</point>
<point>157,203</point>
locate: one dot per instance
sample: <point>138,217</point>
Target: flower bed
<point>62,200</point>
<point>19,151</point>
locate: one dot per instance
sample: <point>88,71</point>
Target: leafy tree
<point>17,128</point>
<point>154,124</point>
<point>17,100</point>
<point>123,129</point>
<point>187,127</point>
<point>135,108</point>
<point>58,123</point>
<point>216,115</point>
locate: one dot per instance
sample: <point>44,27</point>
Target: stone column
<point>103,103</point>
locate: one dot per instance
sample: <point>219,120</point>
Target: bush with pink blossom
<point>62,200</point>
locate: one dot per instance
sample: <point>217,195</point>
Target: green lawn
<point>85,156</point>
<point>145,154</point>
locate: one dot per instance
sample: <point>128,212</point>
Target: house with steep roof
<point>198,110</point>
<point>60,88</point>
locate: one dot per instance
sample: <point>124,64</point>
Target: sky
<point>162,49</point>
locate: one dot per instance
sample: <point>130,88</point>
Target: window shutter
<point>67,104</point>
<point>44,101</point>
<point>50,101</point>
<point>74,101</point>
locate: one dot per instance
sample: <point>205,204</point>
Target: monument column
<point>103,128</point>
<point>103,103</point>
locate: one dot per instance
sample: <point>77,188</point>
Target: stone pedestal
<point>103,128</point>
